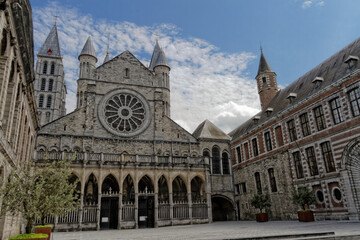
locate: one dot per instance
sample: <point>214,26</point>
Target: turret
<point>161,68</point>
<point>266,82</point>
<point>87,59</point>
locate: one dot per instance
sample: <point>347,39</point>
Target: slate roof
<point>263,65</point>
<point>158,58</point>
<point>330,70</point>
<point>51,46</point>
<point>88,48</point>
<point>208,130</point>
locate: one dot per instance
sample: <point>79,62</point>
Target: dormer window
<point>269,111</point>
<point>352,61</point>
<point>317,81</point>
<point>256,119</point>
<point>291,97</point>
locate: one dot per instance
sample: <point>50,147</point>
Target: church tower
<point>161,68</point>
<point>266,82</point>
<point>50,87</point>
<point>87,66</point>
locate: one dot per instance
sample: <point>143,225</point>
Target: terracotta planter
<point>305,216</point>
<point>44,230</point>
<point>261,217</point>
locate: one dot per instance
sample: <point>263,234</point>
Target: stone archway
<point>222,208</point>
<point>351,162</point>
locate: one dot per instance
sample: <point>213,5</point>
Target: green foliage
<point>303,197</point>
<point>29,236</point>
<point>36,192</point>
<point>43,226</point>
<point>261,201</point>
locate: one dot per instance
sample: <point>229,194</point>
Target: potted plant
<point>45,229</point>
<point>261,201</point>
<point>303,197</point>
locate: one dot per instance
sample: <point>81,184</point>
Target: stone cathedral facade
<point>136,166</point>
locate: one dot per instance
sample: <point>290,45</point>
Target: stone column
<point>190,205</point>
<point>171,207</point>
<point>136,209</point>
<point>119,211</point>
<point>156,210</point>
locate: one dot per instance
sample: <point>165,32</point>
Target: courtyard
<point>229,230</point>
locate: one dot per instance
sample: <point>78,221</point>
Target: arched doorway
<point>146,203</point>
<point>73,179</point>
<point>91,191</point>
<point>197,190</point>
<point>109,203</point>
<point>222,209</point>
<point>179,190</point>
<point>351,162</point>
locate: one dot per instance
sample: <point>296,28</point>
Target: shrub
<point>261,201</point>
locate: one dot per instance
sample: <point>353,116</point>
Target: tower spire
<point>51,46</point>
<point>107,57</point>
<point>158,57</point>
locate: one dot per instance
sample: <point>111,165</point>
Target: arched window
<point>48,103</point>
<point>216,161</point>
<point>45,68</point>
<point>272,180</point>
<point>43,84</point>
<point>52,69</point>
<point>41,101</point>
<point>258,182</point>
<point>51,83</point>
<point>47,117</point>
<point>225,163</point>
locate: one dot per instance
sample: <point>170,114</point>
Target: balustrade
<point>128,212</point>
<point>181,211</point>
<point>89,214</point>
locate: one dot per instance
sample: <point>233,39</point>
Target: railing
<point>48,220</point>
<point>94,156</point>
<point>200,211</point>
<point>124,158</point>
<point>69,217</point>
<point>164,211</point>
<point>181,211</point>
<point>89,214</point>
<point>128,212</point>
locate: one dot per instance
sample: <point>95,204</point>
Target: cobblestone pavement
<point>218,230</point>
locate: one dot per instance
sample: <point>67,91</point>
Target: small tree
<point>38,192</point>
<point>261,201</point>
<point>303,197</point>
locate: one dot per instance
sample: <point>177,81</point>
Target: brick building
<point>18,117</point>
<point>307,134</point>
<point>135,165</point>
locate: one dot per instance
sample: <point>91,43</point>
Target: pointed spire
<point>51,46</point>
<point>88,48</point>
<point>107,57</point>
<point>263,64</point>
<point>158,57</point>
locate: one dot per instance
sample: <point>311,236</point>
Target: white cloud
<point>205,82</point>
<point>307,4</point>
<point>310,3</point>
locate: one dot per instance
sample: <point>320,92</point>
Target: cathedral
<point>136,167</point>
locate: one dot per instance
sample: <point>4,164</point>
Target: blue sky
<point>296,35</point>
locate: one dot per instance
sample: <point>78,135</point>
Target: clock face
<point>124,112</point>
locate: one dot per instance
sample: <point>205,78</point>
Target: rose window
<point>124,112</point>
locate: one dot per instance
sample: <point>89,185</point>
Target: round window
<point>336,194</point>
<point>319,196</point>
<point>124,112</point>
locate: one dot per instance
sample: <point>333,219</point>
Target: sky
<point>212,46</point>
